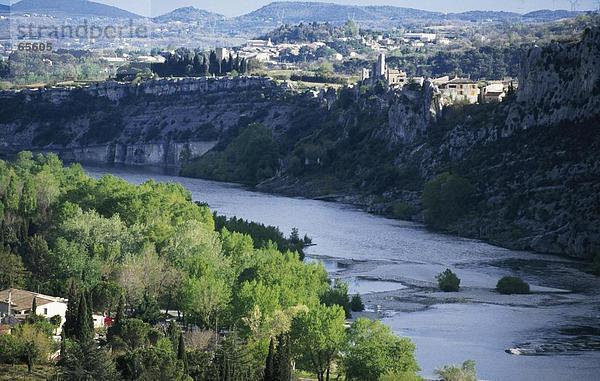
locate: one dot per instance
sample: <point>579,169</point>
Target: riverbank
<point>393,264</point>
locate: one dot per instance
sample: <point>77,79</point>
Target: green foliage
<point>402,211</point>
<point>446,198</point>
<point>512,285</point>
<point>11,349</point>
<point>84,326</point>
<point>12,271</point>
<point>134,333</point>
<point>262,235</point>
<point>319,336</point>
<point>35,343</point>
<point>373,350</point>
<point>152,363</point>
<point>148,310</point>
<point>85,361</point>
<point>448,281</point>
<point>401,376</point>
<point>337,295</point>
<point>356,304</point>
<point>251,157</point>
<point>466,372</point>
<point>596,264</point>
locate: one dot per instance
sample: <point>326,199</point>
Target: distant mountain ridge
<point>278,12</point>
<point>549,15</point>
<point>188,14</point>
<point>71,8</point>
<point>296,12</point>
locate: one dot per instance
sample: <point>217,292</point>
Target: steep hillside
<point>531,163</point>
<point>524,173</point>
<point>157,123</point>
<point>71,8</point>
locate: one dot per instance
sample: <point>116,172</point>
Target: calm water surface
<point>394,253</point>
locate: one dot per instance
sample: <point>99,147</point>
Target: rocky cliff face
<point>558,83</point>
<point>533,159</point>
<point>411,114</point>
<point>162,122</point>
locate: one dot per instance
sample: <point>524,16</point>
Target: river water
<point>393,265</point>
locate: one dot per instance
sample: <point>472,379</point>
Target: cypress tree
<point>71,326</point>
<point>214,66</point>
<point>223,66</point>
<point>236,64</point>
<point>182,354</point>
<point>270,365</point>
<point>63,346</point>
<point>283,360</point>
<point>86,326</point>
<point>173,333</point>
<point>120,310</point>
<point>115,329</point>
<point>33,313</point>
<point>230,63</point>
<point>90,305</point>
<point>204,67</point>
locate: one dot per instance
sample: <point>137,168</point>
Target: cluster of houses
<point>415,40</point>
<point>16,306</point>
<point>455,89</point>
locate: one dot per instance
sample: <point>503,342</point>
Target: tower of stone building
<point>380,66</point>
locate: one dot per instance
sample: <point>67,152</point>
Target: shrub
<point>402,211</point>
<point>11,349</point>
<point>356,304</point>
<point>596,265</point>
<point>446,198</point>
<point>512,285</point>
<point>466,372</point>
<point>401,376</point>
<point>448,281</point>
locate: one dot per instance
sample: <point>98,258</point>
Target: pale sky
<point>238,7</point>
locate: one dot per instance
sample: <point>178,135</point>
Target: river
<point>393,265</point>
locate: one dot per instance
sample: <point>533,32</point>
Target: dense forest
<point>244,311</point>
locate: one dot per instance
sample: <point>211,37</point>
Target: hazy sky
<point>238,7</point>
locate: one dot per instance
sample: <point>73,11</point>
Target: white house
<point>15,302</point>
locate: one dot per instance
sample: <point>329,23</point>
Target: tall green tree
<point>374,350</point>
<point>12,271</point>
<point>270,365</point>
<point>71,326</point>
<point>283,359</point>
<point>182,353</point>
<point>319,336</point>
<point>85,331</point>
